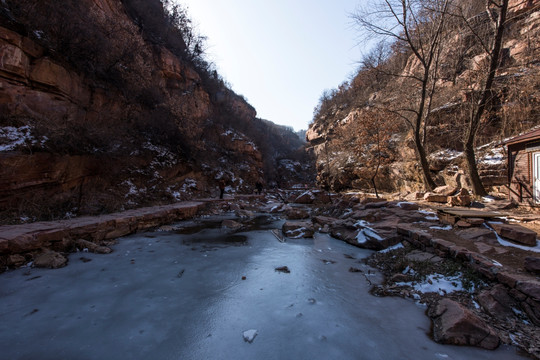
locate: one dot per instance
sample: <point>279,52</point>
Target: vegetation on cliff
<point>120,108</point>
<point>450,75</point>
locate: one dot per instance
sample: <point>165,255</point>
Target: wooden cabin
<point>524,168</point>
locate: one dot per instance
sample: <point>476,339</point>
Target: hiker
<point>259,187</point>
<point>221,185</point>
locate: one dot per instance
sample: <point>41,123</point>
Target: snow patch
<point>12,137</point>
<point>437,283</point>
<point>366,232</point>
<point>445,228</point>
<point>392,248</point>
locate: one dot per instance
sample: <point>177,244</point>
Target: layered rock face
<point>136,124</point>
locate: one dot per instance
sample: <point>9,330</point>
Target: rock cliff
<point>513,108</point>
<point>101,114</point>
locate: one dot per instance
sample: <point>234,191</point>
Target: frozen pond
<point>167,295</point>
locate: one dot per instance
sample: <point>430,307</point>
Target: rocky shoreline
<point>477,289</point>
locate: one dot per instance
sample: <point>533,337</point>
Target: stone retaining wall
<point>28,240</point>
<point>522,287</point>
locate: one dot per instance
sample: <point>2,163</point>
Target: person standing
<point>221,185</point>
<point>259,187</point>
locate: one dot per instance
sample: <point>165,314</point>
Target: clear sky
<point>280,54</point>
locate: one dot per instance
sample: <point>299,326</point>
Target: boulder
<point>92,247</point>
<point>296,214</point>
<point>322,197</point>
<point>50,260</point>
<point>298,229</point>
<point>445,190</point>
<point>454,324</point>
<point>532,264</point>
<point>16,260</point>
<point>431,197</point>
<point>324,220</point>
<point>461,199</point>
<point>497,302</point>
<point>515,233</point>
<point>305,198</point>
<point>231,225</point>
<point>408,205</point>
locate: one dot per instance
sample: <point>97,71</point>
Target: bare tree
<point>496,11</point>
<point>419,25</point>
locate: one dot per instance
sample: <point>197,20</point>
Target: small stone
<point>250,335</point>
<point>50,260</point>
<point>16,260</point>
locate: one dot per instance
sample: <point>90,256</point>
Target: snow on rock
<point>12,137</point>
<point>493,156</point>
<point>436,283</point>
<point>392,248</point>
<point>504,242</point>
<point>366,233</point>
<point>249,335</point>
<point>405,205</point>
<point>430,215</point>
<point>445,228</point>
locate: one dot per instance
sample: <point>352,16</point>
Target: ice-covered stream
<point>167,295</point>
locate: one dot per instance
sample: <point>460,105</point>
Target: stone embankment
<point>43,242</point>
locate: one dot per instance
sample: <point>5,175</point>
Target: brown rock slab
<point>474,221</point>
<point>231,225</point>
<point>515,233</point>
<point>530,288</point>
<point>483,247</point>
<point>532,264</point>
<point>324,220</point>
<point>497,302</point>
<point>456,325</point>
<point>408,206</point>
<point>296,214</point>
<point>431,197</point>
<point>305,198</point>
<point>298,229</point>
<point>50,260</point>
<point>463,224</point>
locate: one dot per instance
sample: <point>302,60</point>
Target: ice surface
<point>132,304</point>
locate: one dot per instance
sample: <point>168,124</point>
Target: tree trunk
<point>478,187</point>
<point>429,184</point>
<point>472,169</point>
